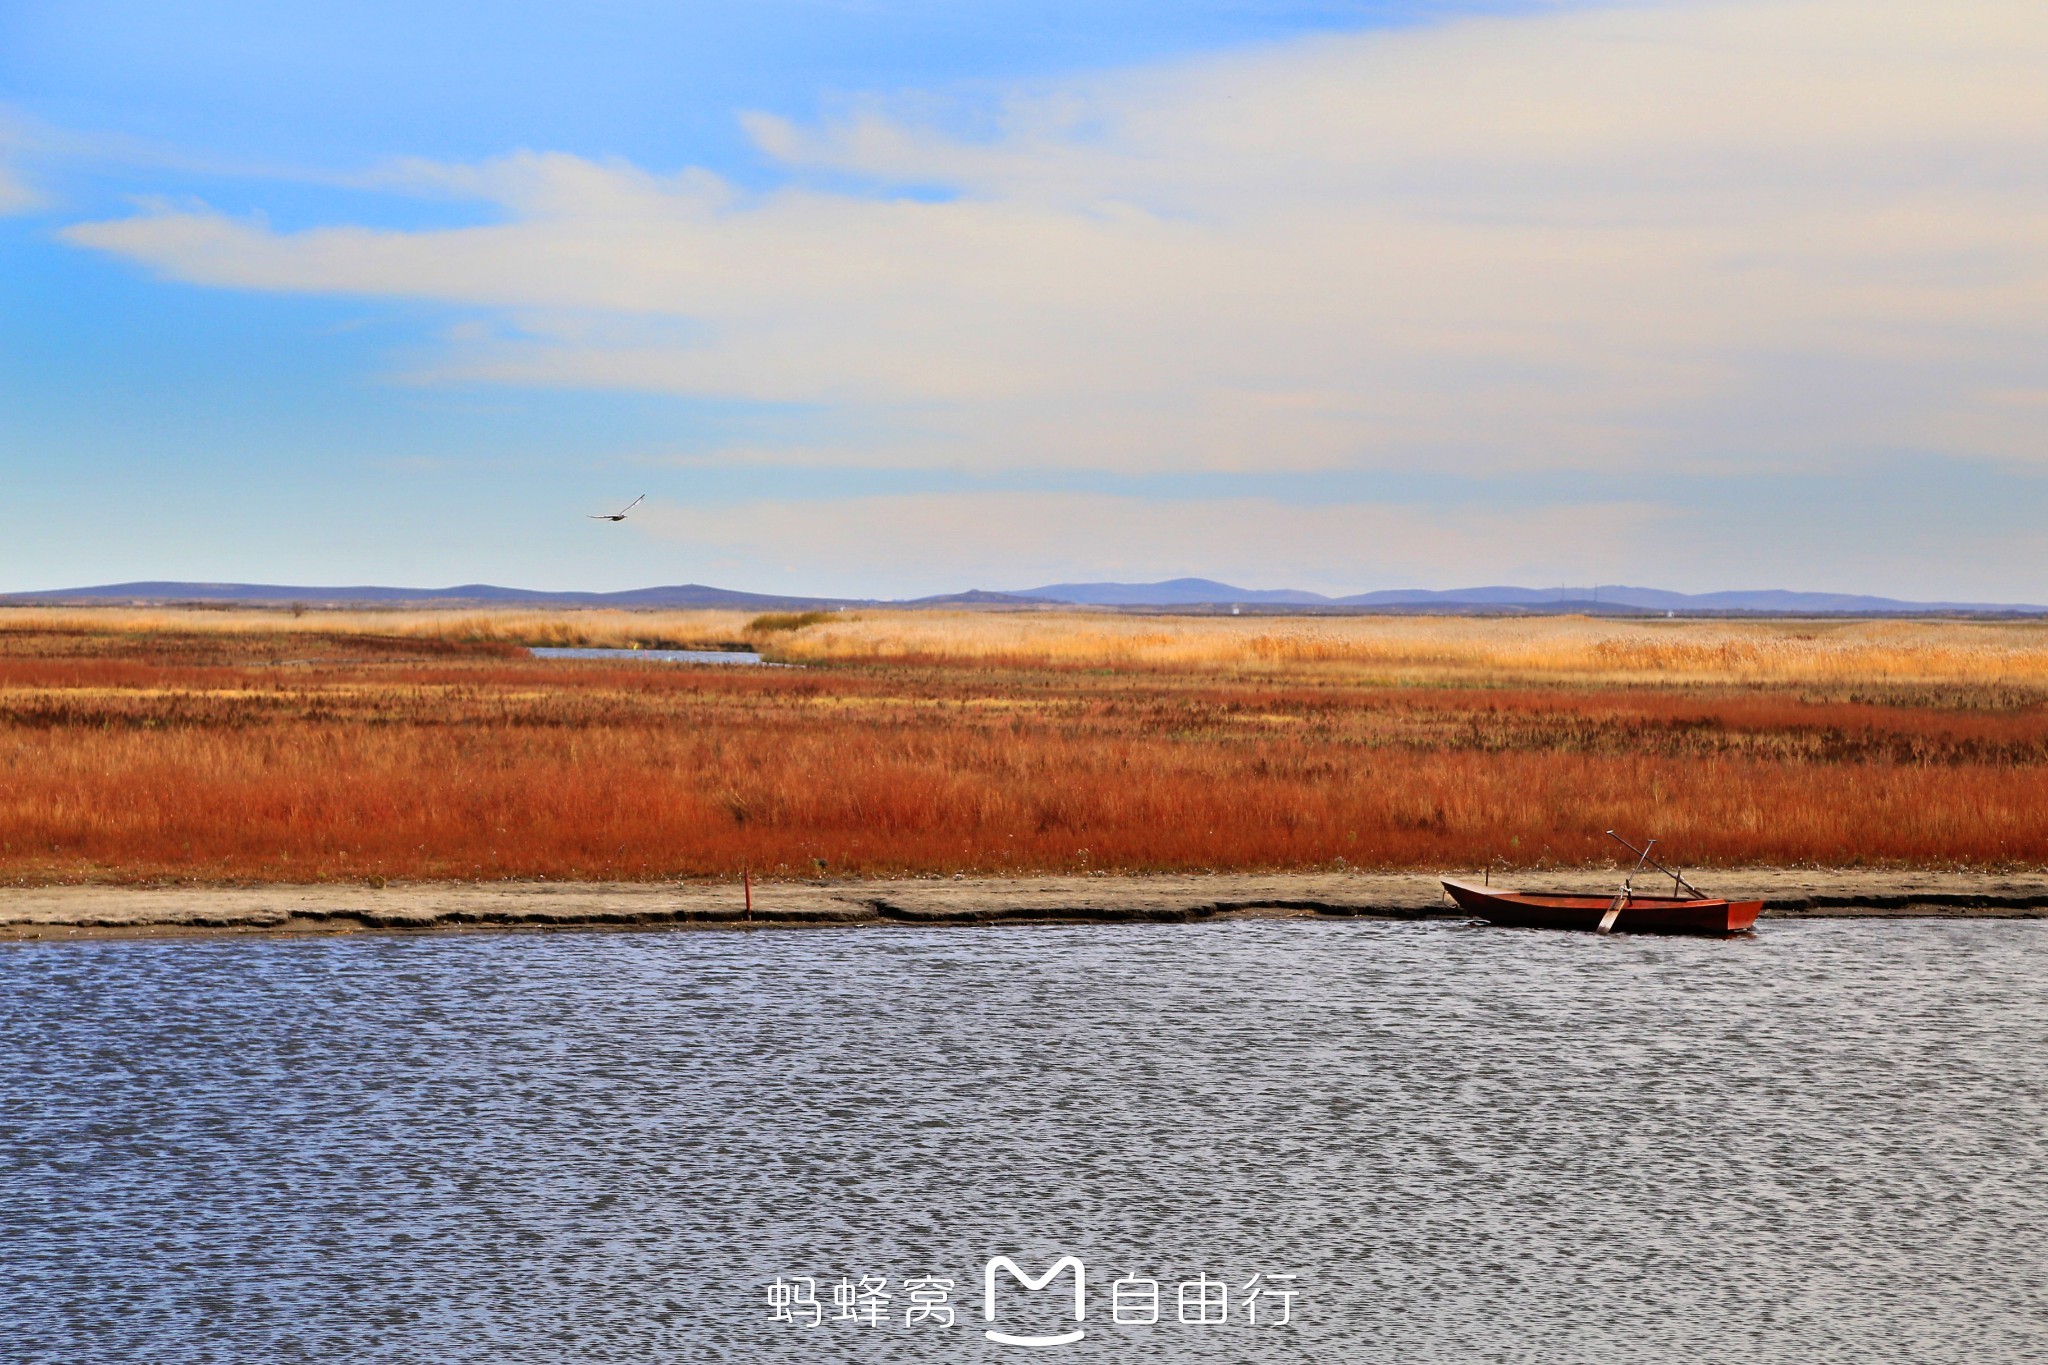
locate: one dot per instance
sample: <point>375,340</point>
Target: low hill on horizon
<point>1605,597</point>
<point>464,594</point>
<point>1186,594</point>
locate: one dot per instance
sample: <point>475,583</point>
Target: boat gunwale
<point>1570,900</point>
<point>1636,913</point>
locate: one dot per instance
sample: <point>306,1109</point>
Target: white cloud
<point>1665,234</point>
<point>16,194</point>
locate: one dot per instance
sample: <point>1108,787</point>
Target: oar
<point>1681,882</point>
<point>1627,883</point>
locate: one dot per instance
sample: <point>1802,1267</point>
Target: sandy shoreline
<point>59,912</point>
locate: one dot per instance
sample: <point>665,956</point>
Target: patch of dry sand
<point>59,912</point>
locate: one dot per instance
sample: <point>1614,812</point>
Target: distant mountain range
<point>1203,591</point>
<point>463,594</point>
<point>1184,594</point>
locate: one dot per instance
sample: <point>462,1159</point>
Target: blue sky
<point>895,298</point>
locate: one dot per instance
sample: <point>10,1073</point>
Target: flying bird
<point>619,515</point>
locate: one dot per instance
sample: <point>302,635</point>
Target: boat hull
<point>1639,915</point>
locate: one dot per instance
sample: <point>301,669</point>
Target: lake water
<point>1825,1143</point>
<point>654,656</point>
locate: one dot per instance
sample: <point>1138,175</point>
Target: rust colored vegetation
<point>266,747</point>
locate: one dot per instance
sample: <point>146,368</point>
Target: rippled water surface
<point>1825,1143</point>
<point>652,656</point>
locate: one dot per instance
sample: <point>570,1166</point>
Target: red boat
<point>1688,910</point>
<point>1634,913</point>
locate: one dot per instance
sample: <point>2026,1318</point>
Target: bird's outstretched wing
<point>619,515</point>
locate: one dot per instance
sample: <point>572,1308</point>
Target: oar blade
<point>1613,913</point>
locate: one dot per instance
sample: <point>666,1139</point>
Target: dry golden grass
<point>1459,648</point>
<point>1392,648</point>
<point>271,747</point>
<point>592,629</point>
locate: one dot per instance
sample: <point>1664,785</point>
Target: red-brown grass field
<point>267,746</point>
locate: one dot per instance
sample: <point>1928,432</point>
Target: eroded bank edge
<point>986,907</point>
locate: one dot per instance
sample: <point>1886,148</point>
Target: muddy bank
<point>112,911</point>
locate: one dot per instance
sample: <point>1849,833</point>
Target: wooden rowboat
<point>1634,913</point>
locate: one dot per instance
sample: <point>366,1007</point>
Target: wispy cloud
<point>1647,235</point>
<point>17,195</point>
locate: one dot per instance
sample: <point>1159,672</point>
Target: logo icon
<point>1016,1272</point>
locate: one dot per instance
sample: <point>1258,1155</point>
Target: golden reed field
<point>272,746</point>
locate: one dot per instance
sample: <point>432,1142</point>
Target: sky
<point>893,297</point>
